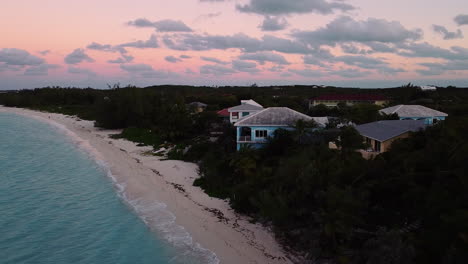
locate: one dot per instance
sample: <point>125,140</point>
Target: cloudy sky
<point>364,43</point>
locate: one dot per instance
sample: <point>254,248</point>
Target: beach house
<point>332,100</point>
<point>380,135</point>
<point>246,108</point>
<point>255,129</point>
<point>415,112</point>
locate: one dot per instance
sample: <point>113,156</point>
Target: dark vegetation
<point>409,205</point>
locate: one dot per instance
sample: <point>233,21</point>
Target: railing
<point>245,139</point>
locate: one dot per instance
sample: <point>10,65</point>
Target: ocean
<point>58,204</point>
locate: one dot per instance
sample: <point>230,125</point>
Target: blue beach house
<point>254,129</point>
<point>415,112</point>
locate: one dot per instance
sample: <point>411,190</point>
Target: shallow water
<point>58,205</point>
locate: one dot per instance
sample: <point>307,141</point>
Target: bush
<point>140,135</point>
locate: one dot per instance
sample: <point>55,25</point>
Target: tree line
<point>408,205</point>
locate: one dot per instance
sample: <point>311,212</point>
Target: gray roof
<point>278,116</point>
<point>412,111</point>
<point>387,129</point>
<point>245,107</point>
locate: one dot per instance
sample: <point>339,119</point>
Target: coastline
<point>147,180</point>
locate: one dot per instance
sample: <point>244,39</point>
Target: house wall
<point>231,117</point>
<point>257,142</point>
<point>270,132</point>
<point>427,120</point>
<point>328,103</point>
<point>385,145</point>
<point>371,142</point>
<point>241,114</point>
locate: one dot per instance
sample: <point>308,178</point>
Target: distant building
<point>254,130</point>
<point>224,114</point>
<point>332,100</point>
<point>9,91</point>
<point>246,108</point>
<point>428,88</point>
<point>415,112</point>
<point>197,107</point>
<point>380,135</point>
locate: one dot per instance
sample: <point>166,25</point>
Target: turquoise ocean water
<point>58,205</point>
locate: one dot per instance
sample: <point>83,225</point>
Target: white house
<point>427,88</point>
<point>246,108</point>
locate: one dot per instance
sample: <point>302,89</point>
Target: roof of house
<point>224,112</point>
<point>412,111</point>
<point>388,129</point>
<point>278,116</point>
<point>245,107</point>
<point>351,97</point>
<point>251,102</point>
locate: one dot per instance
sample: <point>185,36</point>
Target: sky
<point>350,43</point>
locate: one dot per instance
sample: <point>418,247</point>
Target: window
<point>235,115</point>
<point>261,133</point>
<point>369,145</point>
<point>245,114</point>
<point>377,146</point>
<point>368,141</point>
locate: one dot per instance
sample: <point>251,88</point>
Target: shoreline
<point>209,222</point>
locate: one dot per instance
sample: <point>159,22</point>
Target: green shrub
<point>144,137</point>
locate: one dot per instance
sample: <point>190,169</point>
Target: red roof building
<point>223,113</point>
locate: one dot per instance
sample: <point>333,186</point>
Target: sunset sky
<point>366,43</point>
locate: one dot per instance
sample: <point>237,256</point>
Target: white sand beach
<point>210,221</point>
